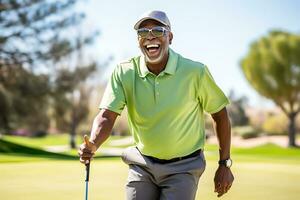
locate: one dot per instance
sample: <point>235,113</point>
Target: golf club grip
<point>87,169</point>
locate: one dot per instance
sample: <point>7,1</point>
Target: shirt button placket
<point>156,88</point>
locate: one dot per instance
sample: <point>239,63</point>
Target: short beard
<point>156,60</point>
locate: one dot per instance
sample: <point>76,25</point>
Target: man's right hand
<point>86,150</point>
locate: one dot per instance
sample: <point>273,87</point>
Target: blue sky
<point>216,33</point>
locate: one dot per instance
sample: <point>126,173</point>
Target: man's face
<point>155,49</point>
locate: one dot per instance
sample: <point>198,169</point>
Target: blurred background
<point>56,58</point>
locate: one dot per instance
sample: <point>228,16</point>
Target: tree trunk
<point>73,134</point>
<point>5,123</point>
<point>292,129</point>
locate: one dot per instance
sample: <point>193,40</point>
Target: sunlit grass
<point>51,140</point>
<point>263,172</point>
<point>64,180</point>
<point>267,152</point>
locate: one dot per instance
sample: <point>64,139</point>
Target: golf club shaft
<point>87,169</point>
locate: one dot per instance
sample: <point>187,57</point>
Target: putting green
<point>64,180</point>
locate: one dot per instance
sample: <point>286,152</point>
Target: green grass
<point>50,180</point>
<point>264,172</point>
<point>12,151</point>
<point>50,140</point>
<point>267,152</point>
<point>8,147</point>
<point>35,147</point>
<point>53,140</point>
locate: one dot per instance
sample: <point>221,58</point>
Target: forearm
<point>223,130</point>
<point>101,129</point>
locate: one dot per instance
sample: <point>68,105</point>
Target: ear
<point>170,37</point>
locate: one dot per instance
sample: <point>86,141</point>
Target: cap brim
<point>137,25</point>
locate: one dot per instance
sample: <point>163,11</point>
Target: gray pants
<point>148,180</point>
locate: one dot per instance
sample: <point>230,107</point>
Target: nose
<point>150,36</point>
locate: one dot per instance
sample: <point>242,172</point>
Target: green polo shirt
<point>165,111</point>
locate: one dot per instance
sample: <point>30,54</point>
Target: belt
<point>162,161</point>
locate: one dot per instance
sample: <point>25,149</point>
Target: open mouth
<point>152,48</point>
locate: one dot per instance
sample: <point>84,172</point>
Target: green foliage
<point>35,37</point>
<point>276,125</point>
<point>24,99</point>
<point>71,97</point>
<point>272,66</point>
<point>43,25</point>
<point>298,124</point>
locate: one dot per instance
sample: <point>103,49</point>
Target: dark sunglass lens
<point>158,31</point>
<point>143,32</point>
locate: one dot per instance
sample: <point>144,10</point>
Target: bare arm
<point>223,176</point>
<point>223,129</point>
<point>101,130</point>
<point>102,126</point>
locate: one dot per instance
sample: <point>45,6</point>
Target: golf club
<point>87,169</point>
<point>87,177</point>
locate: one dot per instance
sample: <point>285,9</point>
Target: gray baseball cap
<point>156,15</point>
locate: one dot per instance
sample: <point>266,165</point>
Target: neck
<point>156,68</point>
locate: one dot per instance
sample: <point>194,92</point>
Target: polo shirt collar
<point>170,68</point>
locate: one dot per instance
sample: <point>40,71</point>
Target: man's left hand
<point>223,180</point>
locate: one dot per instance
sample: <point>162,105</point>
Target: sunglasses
<point>157,31</point>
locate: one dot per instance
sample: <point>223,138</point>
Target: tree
<point>33,31</point>
<point>23,99</point>
<point>236,110</point>
<point>36,37</point>
<point>272,67</point>
<point>71,94</point>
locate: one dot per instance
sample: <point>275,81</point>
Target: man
<point>166,96</point>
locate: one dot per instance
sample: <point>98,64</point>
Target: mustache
<point>148,43</point>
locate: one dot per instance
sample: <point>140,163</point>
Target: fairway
<point>64,180</point>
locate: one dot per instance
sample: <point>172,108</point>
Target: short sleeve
<point>114,98</point>
<point>211,97</point>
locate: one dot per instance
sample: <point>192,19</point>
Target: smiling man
<point>166,96</point>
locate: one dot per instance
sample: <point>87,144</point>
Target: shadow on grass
<point>14,149</point>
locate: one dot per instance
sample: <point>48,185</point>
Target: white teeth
<point>152,45</point>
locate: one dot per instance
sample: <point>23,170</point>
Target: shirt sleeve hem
<point>111,109</point>
<point>219,108</point>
